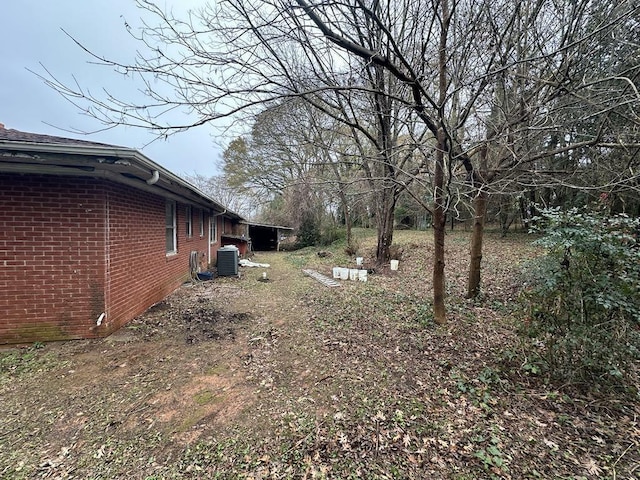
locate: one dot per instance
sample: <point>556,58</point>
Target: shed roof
<point>267,225</point>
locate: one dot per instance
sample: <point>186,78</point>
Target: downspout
<point>107,260</point>
<point>154,178</point>
<point>216,215</point>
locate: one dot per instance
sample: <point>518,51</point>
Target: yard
<point>286,378</point>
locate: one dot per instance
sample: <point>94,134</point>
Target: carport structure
<point>266,237</point>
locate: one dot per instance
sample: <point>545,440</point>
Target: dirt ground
<point>286,378</point>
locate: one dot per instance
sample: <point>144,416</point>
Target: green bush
<point>331,234</point>
<point>309,232</point>
<point>582,298</point>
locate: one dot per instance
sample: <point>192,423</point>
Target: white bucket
<point>394,264</point>
<point>359,260</point>
<point>362,275</point>
<point>344,273</point>
<point>353,274</point>
<point>336,272</point>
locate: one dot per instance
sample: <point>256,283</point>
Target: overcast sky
<point>30,35</point>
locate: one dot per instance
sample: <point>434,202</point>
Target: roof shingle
<point>26,137</point>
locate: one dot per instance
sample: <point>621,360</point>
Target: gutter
<point>100,153</point>
<point>91,151</point>
<point>94,173</point>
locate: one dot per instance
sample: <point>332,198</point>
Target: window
<point>213,229</point>
<point>189,226</point>
<point>202,223</point>
<point>170,223</point>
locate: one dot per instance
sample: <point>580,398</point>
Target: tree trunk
<point>439,214</point>
<point>386,197</point>
<point>439,309</point>
<point>347,225</point>
<point>347,218</point>
<point>480,210</point>
<point>384,217</point>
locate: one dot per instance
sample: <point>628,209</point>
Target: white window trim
<point>189,221</point>
<point>202,217</point>
<point>213,229</point>
<point>173,227</point>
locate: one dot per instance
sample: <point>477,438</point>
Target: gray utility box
<point>227,262</point>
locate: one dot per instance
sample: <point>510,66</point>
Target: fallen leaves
<point>353,382</point>
<point>591,466</point>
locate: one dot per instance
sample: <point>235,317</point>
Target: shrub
<point>583,297</point>
<point>309,232</point>
<point>331,234</point>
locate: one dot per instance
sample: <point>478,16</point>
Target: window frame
<point>213,229</point>
<point>189,221</point>
<point>170,223</point>
<point>202,217</point>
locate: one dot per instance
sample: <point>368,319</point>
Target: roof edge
<point>255,224</point>
<point>117,152</point>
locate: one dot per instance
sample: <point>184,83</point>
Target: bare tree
<point>240,201</point>
<point>552,111</point>
<point>279,162</point>
<point>488,81</point>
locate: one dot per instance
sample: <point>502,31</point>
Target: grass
<point>21,362</point>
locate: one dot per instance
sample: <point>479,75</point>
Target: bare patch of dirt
<point>203,324</point>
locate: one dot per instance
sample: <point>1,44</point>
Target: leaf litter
<point>236,378</point>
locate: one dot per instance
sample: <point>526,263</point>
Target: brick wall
<point>72,248</point>
<point>140,273</point>
<point>51,257</point>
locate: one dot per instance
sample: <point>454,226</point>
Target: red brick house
<point>91,235</point>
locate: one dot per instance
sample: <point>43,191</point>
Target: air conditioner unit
<point>227,262</point>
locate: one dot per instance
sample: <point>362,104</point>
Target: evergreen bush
<point>309,232</point>
<point>583,296</point>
